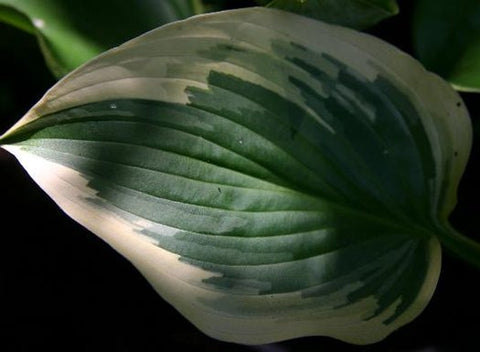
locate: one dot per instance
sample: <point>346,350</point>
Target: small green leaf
<point>447,40</point>
<point>72,32</point>
<point>359,14</point>
<point>271,175</point>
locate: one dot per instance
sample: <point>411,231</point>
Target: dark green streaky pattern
<point>259,191</point>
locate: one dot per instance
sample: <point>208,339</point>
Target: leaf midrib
<point>369,216</point>
<point>291,188</point>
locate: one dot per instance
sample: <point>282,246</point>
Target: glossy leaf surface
<point>271,175</point>
<point>72,32</point>
<point>359,14</point>
<point>447,40</point>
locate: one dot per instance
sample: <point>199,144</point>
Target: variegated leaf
<point>272,176</point>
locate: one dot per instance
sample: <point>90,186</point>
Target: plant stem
<point>462,246</point>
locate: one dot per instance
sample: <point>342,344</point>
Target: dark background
<point>62,288</point>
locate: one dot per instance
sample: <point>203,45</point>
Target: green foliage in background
<point>359,14</point>
<point>447,40</point>
<point>72,32</point>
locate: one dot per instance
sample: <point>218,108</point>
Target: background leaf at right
<point>359,14</point>
<point>447,40</point>
<point>70,33</point>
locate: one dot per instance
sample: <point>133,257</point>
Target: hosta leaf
<point>72,32</point>
<point>447,40</point>
<point>271,175</point>
<point>359,14</point>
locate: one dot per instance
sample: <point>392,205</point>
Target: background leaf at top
<point>72,32</point>
<point>447,40</point>
<point>359,14</point>
<point>269,181</point>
